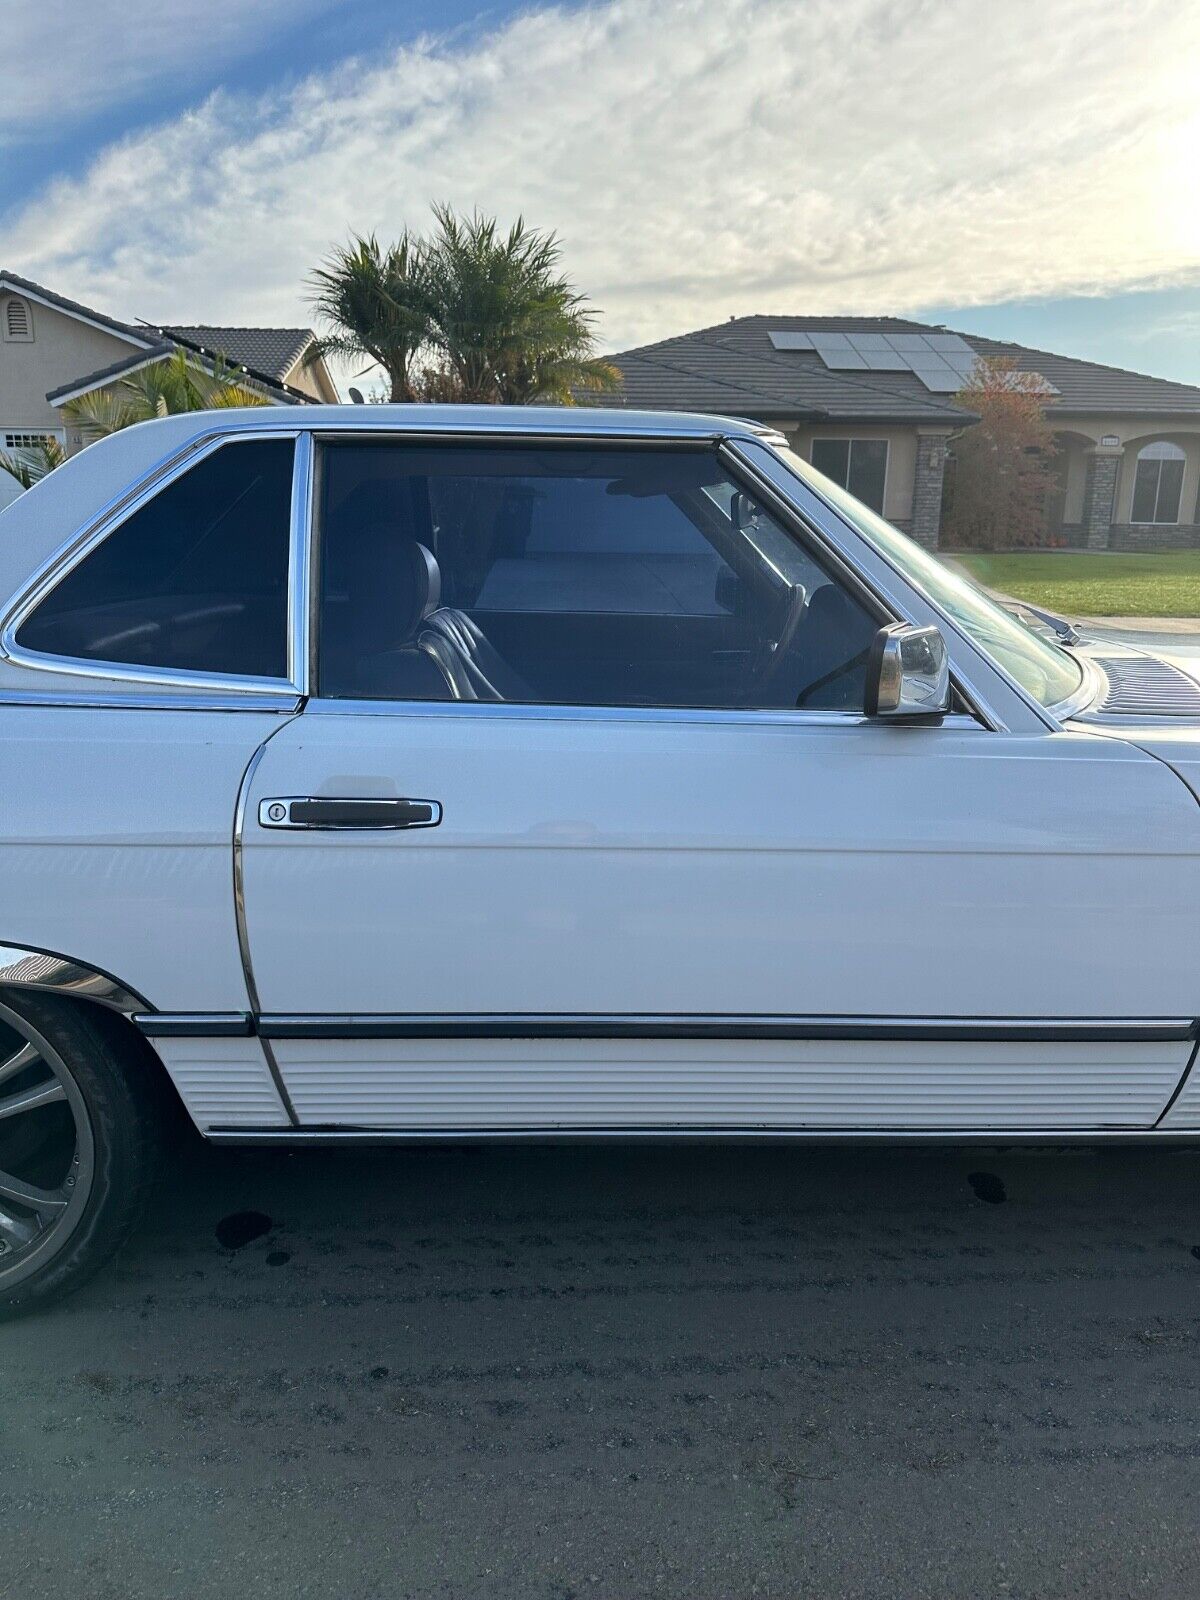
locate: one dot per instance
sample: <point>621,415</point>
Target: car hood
<point>1150,700</point>
<point>1127,681</point>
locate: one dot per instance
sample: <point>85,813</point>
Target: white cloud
<point>700,158</point>
<point>67,59</point>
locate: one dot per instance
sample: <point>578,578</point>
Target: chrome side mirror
<point>908,673</point>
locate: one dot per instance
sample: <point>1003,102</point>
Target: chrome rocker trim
<point>988,1137</point>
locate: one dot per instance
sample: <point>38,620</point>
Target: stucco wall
<point>62,348</point>
<point>314,381</point>
<point>1131,433</point>
<point>901,461</point>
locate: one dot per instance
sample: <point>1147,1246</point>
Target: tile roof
<point>733,367</point>
<point>139,335</point>
<point>270,351</point>
<point>93,380</point>
<point>282,393</point>
<point>1086,386</point>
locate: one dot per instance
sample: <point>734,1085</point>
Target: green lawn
<point>1082,585</point>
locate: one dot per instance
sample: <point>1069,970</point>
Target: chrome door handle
<point>316,811</point>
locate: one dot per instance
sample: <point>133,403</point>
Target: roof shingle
<point>734,367</point>
<point>271,351</point>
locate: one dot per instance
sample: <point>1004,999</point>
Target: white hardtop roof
<point>589,421</point>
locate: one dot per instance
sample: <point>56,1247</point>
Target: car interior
<point>595,577</point>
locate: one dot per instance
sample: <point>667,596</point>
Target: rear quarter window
<point>195,580</point>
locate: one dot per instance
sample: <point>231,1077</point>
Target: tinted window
<point>193,581</point>
<point>569,576</point>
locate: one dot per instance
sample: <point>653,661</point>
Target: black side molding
<point>507,1025</point>
<point>545,1025</point>
<point>195,1024</point>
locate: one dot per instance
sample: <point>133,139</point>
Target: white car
<point>437,773</point>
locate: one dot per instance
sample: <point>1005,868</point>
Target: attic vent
<point>18,324</point>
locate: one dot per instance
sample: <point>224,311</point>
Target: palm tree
<point>509,327</point>
<point>174,384</point>
<point>31,463</point>
<point>375,300</point>
<point>471,314</point>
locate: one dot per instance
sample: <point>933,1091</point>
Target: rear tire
<point>79,1139</point>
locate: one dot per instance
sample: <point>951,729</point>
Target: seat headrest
<point>393,584</point>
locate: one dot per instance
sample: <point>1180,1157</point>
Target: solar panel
<point>845,360</point>
<point>888,361</point>
<point>942,361</point>
<point>863,342</point>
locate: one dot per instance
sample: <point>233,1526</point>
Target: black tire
<point>110,1104</point>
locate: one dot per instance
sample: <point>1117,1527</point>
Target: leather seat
<point>392,586</point>
<point>417,649</point>
<point>474,669</point>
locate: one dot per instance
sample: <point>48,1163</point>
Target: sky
<point>1026,170</point>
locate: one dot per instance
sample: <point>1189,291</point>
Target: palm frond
<point>31,463</point>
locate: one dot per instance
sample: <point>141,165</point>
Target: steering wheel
<point>777,652</point>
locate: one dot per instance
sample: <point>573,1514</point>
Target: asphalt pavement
<point>705,1373</point>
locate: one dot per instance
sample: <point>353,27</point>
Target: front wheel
<point>77,1146</point>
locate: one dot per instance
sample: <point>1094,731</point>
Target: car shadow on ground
<point>663,1370</point>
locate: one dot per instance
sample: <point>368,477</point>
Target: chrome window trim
<point>512,433</point>
<point>80,699</point>
<point>74,550</point>
<point>842,534</point>
<point>300,563</point>
<point>1093,685</point>
<point>506,710</point>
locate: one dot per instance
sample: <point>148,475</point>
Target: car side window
<point>195,580</point>
<point>572,576</point>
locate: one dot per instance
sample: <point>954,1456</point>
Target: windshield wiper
<point>1064,633</point>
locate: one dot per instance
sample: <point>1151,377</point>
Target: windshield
<point>1047,672</point>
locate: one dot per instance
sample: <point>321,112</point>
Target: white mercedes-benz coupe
<point>436,773</point>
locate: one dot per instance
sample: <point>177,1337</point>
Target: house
<point>53,349</point>
<point>870,401</point>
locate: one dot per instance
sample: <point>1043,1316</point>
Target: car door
<point>674,879</point>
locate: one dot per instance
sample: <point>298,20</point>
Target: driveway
<point>1173,636</point>
<point>708,1373</point>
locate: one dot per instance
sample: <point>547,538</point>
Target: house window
<point>1158,483</point>
<point>18,320</point>
<point>859,465</point>
<point>30,439</point>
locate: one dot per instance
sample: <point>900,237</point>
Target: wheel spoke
<point>43,1094</point>
<point>29,1194</point>
<point>13,1065</point>
<point>17,1231</point>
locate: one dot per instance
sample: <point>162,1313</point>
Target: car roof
<point>585,420</point>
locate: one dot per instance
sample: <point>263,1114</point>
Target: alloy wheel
<point>47,1152</point>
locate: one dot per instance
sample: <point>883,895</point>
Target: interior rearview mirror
<point>908,673</point>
